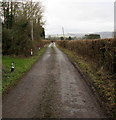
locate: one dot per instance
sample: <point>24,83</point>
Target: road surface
<point>53,88</point>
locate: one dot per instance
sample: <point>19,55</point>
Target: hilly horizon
<point>103,35</point>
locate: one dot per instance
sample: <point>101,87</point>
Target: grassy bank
<point>22,65</point>
<point>103,82</point>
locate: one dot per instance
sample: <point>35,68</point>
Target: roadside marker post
<point>12,66</point>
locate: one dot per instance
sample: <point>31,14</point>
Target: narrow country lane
<point>53,88</point>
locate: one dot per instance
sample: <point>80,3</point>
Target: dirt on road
<point>53,88</point>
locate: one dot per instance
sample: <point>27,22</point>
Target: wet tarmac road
<point>53,88</point>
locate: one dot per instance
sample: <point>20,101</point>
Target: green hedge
<point>100,51</point>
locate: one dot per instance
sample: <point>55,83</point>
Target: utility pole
<point>63,31</point>
<point>115,19</point>
<point>31,23</point>
<point>32,30</point>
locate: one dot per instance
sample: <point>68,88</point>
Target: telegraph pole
<point>31,23</point>
<point>115,19</point>
<point>63,31</point>
<point>32,30</point>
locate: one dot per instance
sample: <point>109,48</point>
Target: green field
<point>22,65</point>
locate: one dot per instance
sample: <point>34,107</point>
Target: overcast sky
<point>78,16</point>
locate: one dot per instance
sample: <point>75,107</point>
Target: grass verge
<point>22,65</point>
<point>103,82</point>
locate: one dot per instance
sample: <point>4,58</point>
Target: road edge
<point>25,73</point>
<point>87,80</point>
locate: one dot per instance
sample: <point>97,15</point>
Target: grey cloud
<point>78,16</point>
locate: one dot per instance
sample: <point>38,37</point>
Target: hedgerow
<point>100,51</point>
<point>97,59</point>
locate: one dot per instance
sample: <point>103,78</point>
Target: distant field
<point>22,65</point>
